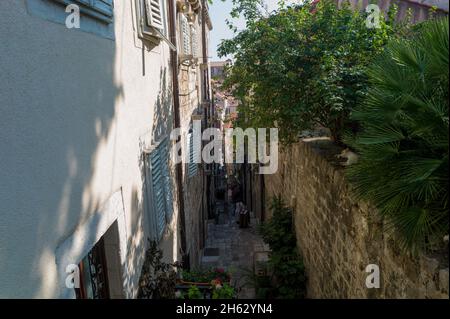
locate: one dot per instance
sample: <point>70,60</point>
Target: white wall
<point>76,111</point>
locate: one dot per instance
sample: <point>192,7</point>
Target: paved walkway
<point>233,249</point>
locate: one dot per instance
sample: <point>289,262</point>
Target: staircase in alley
<point>233,249</point>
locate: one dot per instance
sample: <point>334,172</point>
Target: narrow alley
<point>234,249</point>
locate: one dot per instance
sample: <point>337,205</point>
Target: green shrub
<point>194,293</point>
<point>224,292</point>
<point>403,165</point>
<point>284,260</point>
<point>278,232</point>
<point>206,276</point>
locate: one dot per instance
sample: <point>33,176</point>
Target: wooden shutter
<point>103,6</point>
<point>159,204</point>
<point>167,180</point>
<point>159,190</point>
<point>102,10</point>
<point>186,36</point>
<point>193,153</point>
<point>153,12</point>
<point>195,49</point>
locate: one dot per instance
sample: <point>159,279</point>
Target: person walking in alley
<point>233,198</point>
<point>242,214</point>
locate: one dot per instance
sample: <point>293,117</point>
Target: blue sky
<point>219,11</point>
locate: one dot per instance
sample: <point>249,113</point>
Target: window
<point>97,16</point>
<point>158,189</point>
<point>93,274</point>
<point>151,21</point>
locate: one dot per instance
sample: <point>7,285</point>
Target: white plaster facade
<point>78,111</point>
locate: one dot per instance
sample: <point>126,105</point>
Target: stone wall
<point>339,236</point>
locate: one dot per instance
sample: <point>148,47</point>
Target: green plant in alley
<point>302,66</point>
<point>403,166</point>
<point>194,293</point>
<point>158,279</point>
<point>278,231</point>
<point>261,284</point>
<point>206,276</point>
<point>285,262</point>
<point>223,292</point>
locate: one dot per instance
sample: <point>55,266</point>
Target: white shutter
<point>153,13</point>
<point>194,42</point>
<point>186,36</point>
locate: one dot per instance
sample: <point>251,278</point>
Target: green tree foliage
<point>403,166</point>
<point>302,65</point>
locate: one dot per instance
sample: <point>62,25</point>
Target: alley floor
<point>233,249</point>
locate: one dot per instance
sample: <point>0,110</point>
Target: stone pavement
<point>233,249</point>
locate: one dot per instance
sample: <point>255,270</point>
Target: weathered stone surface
<point>443,280</point>
<point>340,236</point>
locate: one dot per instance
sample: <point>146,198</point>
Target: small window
<point>158,189</point>
<point>93,274</point>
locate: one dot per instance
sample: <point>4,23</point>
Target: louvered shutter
<point>157,163</point>
<point>102,10</point>
<point>160,190</point>
<point>193,152</point>
<point>103,6</point>
<point>186,36</point>
<point>153,13</point>
<point>167,181</point>
<point>149,202</point>
<point>194,42</point>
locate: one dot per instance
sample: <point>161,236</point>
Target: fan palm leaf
<point>403,147</point>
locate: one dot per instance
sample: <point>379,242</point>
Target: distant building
<point>420,9</point>
<point>218,68</point>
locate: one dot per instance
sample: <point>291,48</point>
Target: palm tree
<point>403,166</point>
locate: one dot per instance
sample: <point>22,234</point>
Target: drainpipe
<point>176,112</point>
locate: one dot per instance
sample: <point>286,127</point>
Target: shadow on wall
<point>59,94</point>
<point>137,243</point>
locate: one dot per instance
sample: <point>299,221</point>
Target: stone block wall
<point>339,236</point>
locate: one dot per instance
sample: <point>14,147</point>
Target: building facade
<point>87,171</point>
<point>419,10</point>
